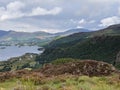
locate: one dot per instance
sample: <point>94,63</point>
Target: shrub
<point>62,61</point>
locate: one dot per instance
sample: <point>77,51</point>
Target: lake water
<point>15,51</point>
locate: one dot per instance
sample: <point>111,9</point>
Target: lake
<point>8,52</point>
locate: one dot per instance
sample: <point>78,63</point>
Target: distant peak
<point>11,31</point>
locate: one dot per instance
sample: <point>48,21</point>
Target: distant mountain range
<point>2,33</point>
<point>62,37</point>
<point>72,31</point>
<point>40,36</point>
<point>13,35</point>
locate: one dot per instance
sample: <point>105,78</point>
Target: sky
<point>58,15</point>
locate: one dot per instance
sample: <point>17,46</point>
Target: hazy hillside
<point>2,33</point>
<point>13,35</point>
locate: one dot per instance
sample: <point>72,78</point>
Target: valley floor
<point>63,82</point>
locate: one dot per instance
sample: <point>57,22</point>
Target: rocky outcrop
<point>82,67</point>
<point>85,67</point>
<point>118,57</point>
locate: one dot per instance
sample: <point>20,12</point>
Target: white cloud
<point>110,21</point>
<point>42,11</point>
<point>9,15</point>
<point>14,6</point>
<point>79,26</point>
<point>103,1</point>
<point>51,30</point>
<point>73,21</point>
<point>82,21</point>
<point>13,11</point>
<point>55,11</point>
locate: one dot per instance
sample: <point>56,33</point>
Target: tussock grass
<point>64,82</point>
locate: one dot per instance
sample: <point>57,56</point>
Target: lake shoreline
<point>9,52</point>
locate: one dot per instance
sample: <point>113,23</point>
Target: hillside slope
<point>13,35</point>
<point>98,45</point>
<point>104,48</point>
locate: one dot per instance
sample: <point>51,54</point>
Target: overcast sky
<point>58,15</point>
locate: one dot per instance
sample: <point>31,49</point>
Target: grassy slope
<point>66,82</point>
